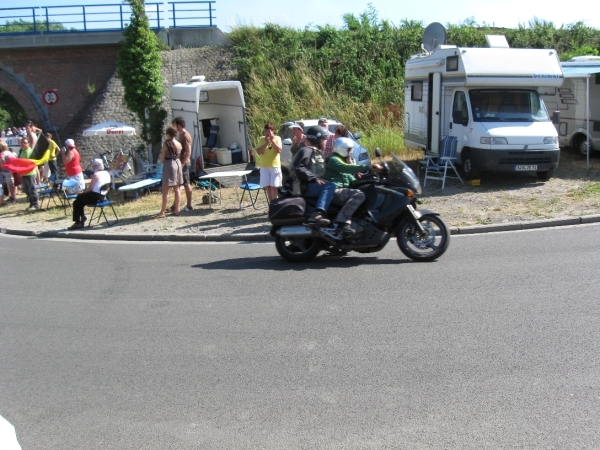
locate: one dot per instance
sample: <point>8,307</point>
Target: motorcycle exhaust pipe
<point>299,231</point>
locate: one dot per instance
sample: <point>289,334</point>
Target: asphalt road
<point>118,345</point>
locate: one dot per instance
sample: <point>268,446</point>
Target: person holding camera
<point>72,161</point>
<point>269,149</point>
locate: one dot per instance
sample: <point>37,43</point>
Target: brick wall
<point>74,73</point>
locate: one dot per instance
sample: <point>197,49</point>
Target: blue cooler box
<point>236,156</point>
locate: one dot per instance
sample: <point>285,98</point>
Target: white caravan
<point>487,98</point>
<point>209,104</point>
<point>578,102</point>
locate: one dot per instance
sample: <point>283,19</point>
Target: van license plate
<point>524,167</point>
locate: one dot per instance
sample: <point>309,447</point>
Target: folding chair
<point>66,184</point>
<point>252,187</point>
<point>437,166</point>
<point>51,193</point>
<point>211,140</point>
<point>101,205</point>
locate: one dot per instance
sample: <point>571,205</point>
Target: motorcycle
<point>390,209</point>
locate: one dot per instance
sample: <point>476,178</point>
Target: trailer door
<point>434,94</point>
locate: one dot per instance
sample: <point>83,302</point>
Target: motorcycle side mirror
<point>378,152</point>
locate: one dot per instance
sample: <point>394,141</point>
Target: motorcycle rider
<point>340,171</point>
<point>307,171</point>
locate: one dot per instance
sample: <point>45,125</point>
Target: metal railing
<point>107,17</point>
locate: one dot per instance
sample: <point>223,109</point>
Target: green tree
<point>138,66</point>
<point>11,113</point>
<point>24,26</point>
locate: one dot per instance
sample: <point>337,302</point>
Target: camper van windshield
<point>506,105</point>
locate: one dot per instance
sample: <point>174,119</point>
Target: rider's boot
<point>345,228</point>
<point>318,218</point>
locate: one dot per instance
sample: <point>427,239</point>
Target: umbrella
<point>110,128</point>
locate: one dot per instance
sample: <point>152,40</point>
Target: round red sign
<point>50,97</point>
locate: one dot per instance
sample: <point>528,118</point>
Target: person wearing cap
<point>299,137</point>
<point>29,179</point>
<point>90,195</point>
<point>306,174</point>
<point>269,149</point>
<point>324,123</point>
<point>72,161</point>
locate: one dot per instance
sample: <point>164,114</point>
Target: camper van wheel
<point>469,167</point>
<point>581,146</point>
<point>545,175</point>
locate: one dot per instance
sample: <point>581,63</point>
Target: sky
<point>503,13</point>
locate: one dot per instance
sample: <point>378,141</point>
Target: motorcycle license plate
<point>523,167</point>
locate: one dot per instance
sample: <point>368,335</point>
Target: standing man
<point>29,178</point>
<point>299,137</point>
<point>269,149</point>
<point>54,151</point>
<point>185,139</point>
<point>32,133</point>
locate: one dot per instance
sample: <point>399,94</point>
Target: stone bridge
<point>66,83</point>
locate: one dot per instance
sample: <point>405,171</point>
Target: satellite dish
<point>434,36</point>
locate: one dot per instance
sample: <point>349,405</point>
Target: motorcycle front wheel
<point>297,249</point>
<point>423,246</point>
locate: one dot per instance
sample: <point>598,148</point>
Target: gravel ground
<point>501,198</point>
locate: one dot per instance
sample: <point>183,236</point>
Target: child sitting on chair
<point>90,195</point>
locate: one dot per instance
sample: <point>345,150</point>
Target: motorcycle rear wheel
<point>297,249</point>
<point>427,246</point>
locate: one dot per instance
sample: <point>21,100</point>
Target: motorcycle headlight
<point>493,141</point>
<point>551,140</point>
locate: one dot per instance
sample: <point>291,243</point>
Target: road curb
<point>266,237</point>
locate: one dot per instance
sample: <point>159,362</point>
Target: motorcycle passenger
<point>308,169</point>
<point>340,172</point>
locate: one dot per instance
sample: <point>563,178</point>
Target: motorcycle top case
<point>287,210</point>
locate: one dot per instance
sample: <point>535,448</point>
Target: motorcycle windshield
<point>400,171</point>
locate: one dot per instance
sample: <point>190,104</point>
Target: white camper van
<point>214,114</point>
<point>579,93</point>
<point>488,99</point>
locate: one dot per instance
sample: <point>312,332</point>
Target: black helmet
<point>316,134</point>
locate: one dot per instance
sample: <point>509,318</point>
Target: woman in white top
<point>90,195</point>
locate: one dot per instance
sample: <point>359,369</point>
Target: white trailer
<point>578,102</point>
<point>203,104</point>
<point>488,99</point>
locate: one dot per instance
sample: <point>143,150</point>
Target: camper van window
<point>460,110</point>
<point>598,78</point>
<point>203,96</point>
<point>507,105</point>
<point>452,63</point>
<point>416,91</point>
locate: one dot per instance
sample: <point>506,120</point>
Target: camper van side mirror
<point>556,117</point>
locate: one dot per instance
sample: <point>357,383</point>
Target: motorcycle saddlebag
<point>287,211</point>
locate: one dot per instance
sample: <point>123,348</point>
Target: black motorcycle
<point>390,209</point>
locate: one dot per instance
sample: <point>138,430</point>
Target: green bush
<point>356,73</point>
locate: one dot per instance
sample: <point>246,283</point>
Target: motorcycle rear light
<point>410,193</point>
